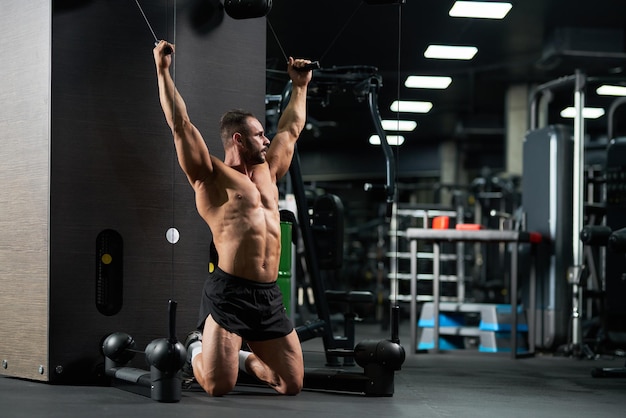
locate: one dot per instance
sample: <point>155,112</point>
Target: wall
<point>112,166</point>
<point>24,168</point>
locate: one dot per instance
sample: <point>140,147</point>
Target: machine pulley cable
<point>174,159</point>
<point>395,194</point>
<point>172,233</point>
<point>332,42</point>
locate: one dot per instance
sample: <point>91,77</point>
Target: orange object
<point>469,227</point>
<point>441,222</point>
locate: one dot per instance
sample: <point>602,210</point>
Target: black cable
<point>395,196</point>
<point>332,43</point>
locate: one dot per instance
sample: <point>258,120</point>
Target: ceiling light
<point>588,112</point>
<point>399,125</point>
<point>480,9</point>
<point>391,140</point>
<point>411,107</point>
<point>450,52</point>
<point>427,82</point>
<point>607,90</point>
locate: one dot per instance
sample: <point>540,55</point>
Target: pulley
<point>247,9</point>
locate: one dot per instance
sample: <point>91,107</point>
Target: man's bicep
<point>193,154</point>
<point>280,153</point>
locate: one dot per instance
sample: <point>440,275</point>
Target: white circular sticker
<point>172,235</point>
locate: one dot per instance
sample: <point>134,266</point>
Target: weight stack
<point>90,181</point>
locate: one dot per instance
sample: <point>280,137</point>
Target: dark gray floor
<point>458,383</point>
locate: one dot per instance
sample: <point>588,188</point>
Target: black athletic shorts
<point>252,310</point>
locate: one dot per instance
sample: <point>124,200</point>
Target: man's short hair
<point>235,120</point>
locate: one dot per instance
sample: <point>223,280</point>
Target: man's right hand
<point>163,54</point>
<point>298,77</point>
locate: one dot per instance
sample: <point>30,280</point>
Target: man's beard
<point>255,158</point>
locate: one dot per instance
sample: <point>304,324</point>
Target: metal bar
<point>532,304</point>
<point>460,272</point>
<point>413,247</point>
<point>514,318</point>
<point>390,187</point>
<point>560,82</point>
<point>323,311</point>
<point>455,235</point>
<point>577,215</point>
<point>436,251</point>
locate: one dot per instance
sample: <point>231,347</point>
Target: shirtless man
<point>238,199</point>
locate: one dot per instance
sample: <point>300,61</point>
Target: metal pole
<point>436,272</point>
<point>390,184</point>
<point>514,318</point>
<point>310,255</point>
<point>560,82</point>
<point>577,212</point>
<point>413,252</point>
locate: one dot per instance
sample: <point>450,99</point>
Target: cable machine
<point>380,359</point>
<point>566,209</point>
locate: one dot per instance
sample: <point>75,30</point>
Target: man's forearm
<point>171,101</point>
<point>294,114</point>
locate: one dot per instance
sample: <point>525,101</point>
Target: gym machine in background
<point>613,315</point>
<point>551,199</point>
<point>322,237</point>
<point>604,238</point>
<point>615,274</point>
<point>557,208</point>
<point>608,268</point>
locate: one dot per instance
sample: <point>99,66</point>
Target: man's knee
<point>216,384</point>
<point>221,388</point>
<point>292,387</point>
<point>293,390</point>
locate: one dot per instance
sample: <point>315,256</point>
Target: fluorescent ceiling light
<point>399,125</point>
<point>427,82</point>
<point>588,112</point>
<point>411,107</point>
<point>391,139</point>
<point>607,90</point>
<point>450,52</point>
<point>480,9</point>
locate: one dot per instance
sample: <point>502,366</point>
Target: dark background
<point>538,41</point>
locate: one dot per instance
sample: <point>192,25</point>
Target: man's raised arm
<point>292,120</point>
<point>193,154</point>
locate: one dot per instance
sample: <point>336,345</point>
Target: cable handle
<point>313,65</point>
<point>172,320</point>
<point>168,49</point>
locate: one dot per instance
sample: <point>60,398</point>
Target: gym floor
<point>459,383</point>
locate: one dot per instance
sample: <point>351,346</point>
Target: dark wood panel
<point>24,179</point>
<point>112,165</point>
